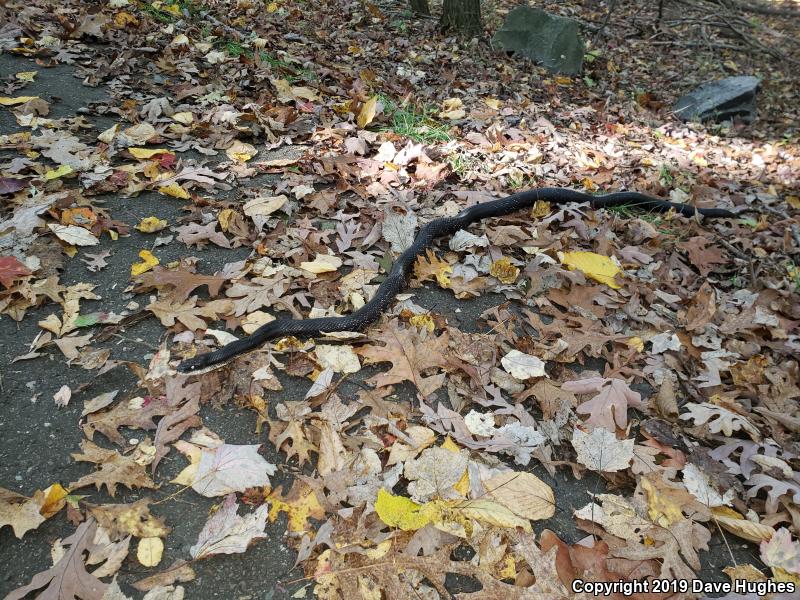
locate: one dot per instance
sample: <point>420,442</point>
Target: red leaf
<point>10,269</point>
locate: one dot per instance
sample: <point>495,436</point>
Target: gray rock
<point>720,100</point>
<point>549,39</point>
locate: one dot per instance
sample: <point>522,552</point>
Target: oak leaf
<point>188,313</point>
<point>114,469</point>
<point>68,579</point>
<point>411,353</point>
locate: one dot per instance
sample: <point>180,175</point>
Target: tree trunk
<point>420,7</point>
<point>462,16</point>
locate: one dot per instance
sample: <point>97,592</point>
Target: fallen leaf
<point>148,262</point>
<point>68,578</point>
<point>523,493</point>
<point>11,269</point>
<point>151,225</point>
<point>228,533</point>
<point>367,113</point>
<point>597,267</point>
<point>74,235</point>
<point>600,450</point>
<point>149,551</point>
<point>523,366</point>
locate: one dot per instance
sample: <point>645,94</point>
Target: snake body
<point>396,279</point>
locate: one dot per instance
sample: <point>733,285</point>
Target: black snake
<point>396,279</point>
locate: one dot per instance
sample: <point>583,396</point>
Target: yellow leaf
<point>540,209</point>
<point>148,152</point>
<point>661,509</point>
<point>149,551</point>
<point>462,487</point>
<point>175,190</point>
<point>224,218</point>
<point>596,266</point>
<point>636,343</point>
<point>404,513</point>
<point>272,7</point>
<point>793,201</point>
<point>123,19</point>
<point>151,225</point>
<point>241,152</point>
<point>27,76</point>
<point>6,101</point>
<point>504,271</point>
<point>452,109</point>
<point>54,498</point>
<point>588,184</point>
<point>324,263</point>
<point>148,262</point>
<point>493,103</point>
<point>747,572</point>
<point>424,321</point>
<point>732,521</point>
<point>563,80</point>
<point>367,113</point>
<point>184,118</point>
<point>59,172</point>
<point>299,509</point>
<point>109,134</point>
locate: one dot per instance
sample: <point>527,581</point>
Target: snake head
<point>193,365</point>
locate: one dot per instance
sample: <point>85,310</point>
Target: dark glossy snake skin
<point>396,280</point>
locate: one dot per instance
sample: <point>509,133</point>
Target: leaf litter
<point>690,418</point>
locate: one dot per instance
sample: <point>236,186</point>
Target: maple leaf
<point>609,408</point>
<point>68,579</point>
<point>300,504</point>
<point>224,469</point>
<point>228,533</point>
<point>188,313</point>
<point>114,469</point>
<point>11,269</point>
<point>411,353</point>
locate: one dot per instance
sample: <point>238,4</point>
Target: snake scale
<point>396,279</point>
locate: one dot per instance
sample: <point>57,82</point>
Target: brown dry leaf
<point>701,309</point>
<point>176,423</point>
<point>411,352</point>
<point>293,441</point>
<point>188,313</point>
<point>609,408</point>
<point>431,267</point>
<point>129,519</point>
<point>665,401</point>
<point>199,235</point>
<point>19,511</point>
<point>179,571</point>
<point>732,521</point>
<point>114,469</point>
<point>136,413</point>
<point>524,493</point>
<point>68,578</point>
<point>702,255</point>
<point>182,282</point>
